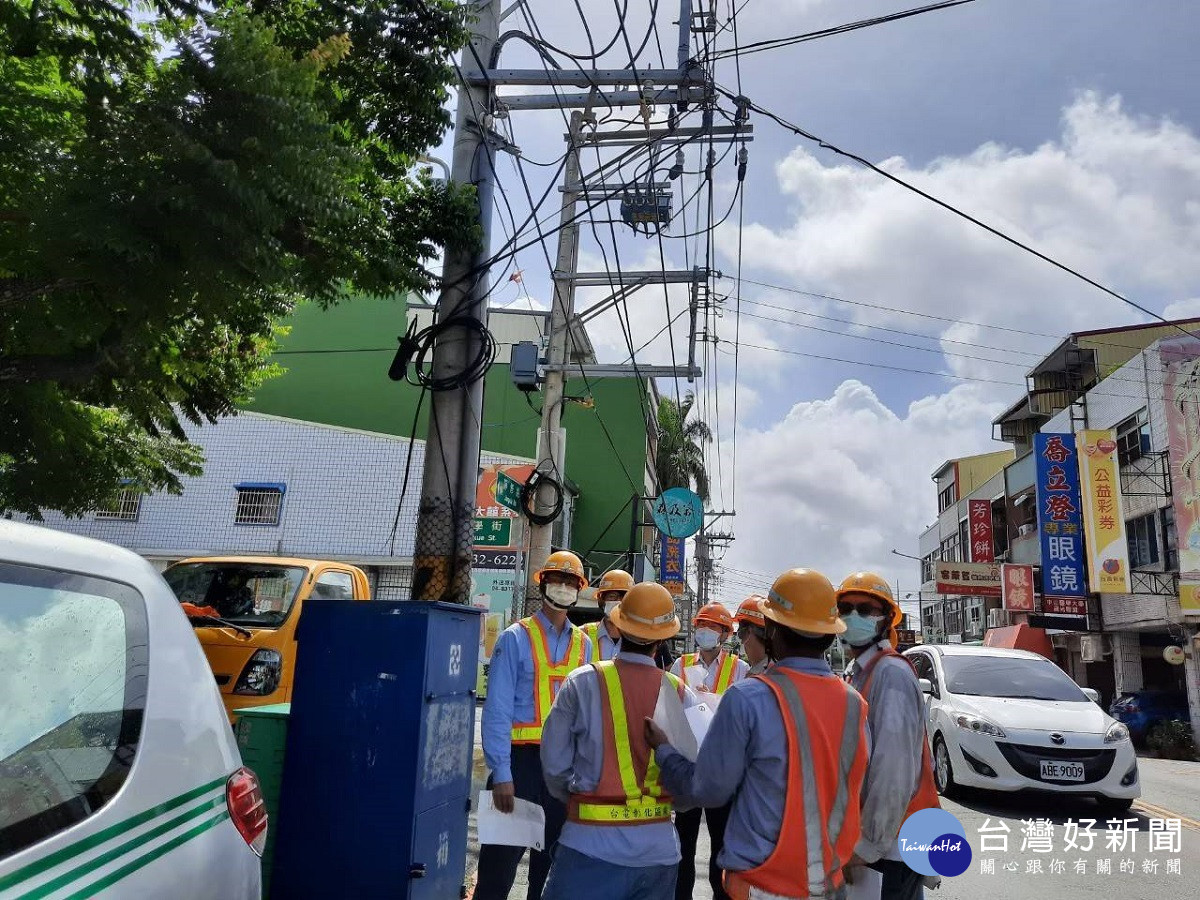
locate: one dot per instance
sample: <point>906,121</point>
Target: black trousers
<point>687,824</point>
<point>899,881</point>
<point>498,864</point>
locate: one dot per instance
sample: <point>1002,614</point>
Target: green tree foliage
<point>173,178</point>
<point>679,461</point>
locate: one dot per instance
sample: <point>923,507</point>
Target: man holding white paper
<point>618,842</point>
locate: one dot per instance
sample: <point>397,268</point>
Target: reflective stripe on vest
<point>803,817</point>
<point>926,795</point>
<point>644,803</point>
<point>547,677</point>
<point>727,665</point>
<point>592,630</point>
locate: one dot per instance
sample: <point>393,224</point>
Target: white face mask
<point>707,639</point>
<point>562,595</point>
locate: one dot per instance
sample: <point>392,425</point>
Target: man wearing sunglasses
<point>899,775</point>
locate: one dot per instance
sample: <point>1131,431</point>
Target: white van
<point>119,774</point>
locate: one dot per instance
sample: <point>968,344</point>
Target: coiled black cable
<point>529,494</point>
<point>411,365</point>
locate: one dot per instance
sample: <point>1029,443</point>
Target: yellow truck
<point>245,609</point>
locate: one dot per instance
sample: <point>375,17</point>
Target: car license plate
<point>1061,771</point>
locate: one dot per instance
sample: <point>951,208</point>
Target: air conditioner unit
<point>1026,529</point>
<point>997,618</point>
<point>1091,648</point>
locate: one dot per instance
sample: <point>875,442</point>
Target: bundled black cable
<point>529,495</point>
<point>416,346</point>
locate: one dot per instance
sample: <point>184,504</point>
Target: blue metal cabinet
<point>377,773</point>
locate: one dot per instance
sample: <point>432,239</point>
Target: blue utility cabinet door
<point>439,849</point>
<point>382,728</point>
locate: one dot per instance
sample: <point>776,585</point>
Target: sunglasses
<point>866,608</point>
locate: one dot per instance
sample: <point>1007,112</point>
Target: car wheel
<point>943,771</point>
<point>1110,806</point>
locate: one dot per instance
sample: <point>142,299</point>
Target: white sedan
<point>1010,720</point>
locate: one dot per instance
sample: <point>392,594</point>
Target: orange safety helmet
<point>614,580</point>
<point>647,613</point>
<point>750,612</point>
<point>562,561</point>
<point>873,586</point>
<point>804,600</point>
<point>714,614</point>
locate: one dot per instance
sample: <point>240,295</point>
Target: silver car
<point>119,774</point>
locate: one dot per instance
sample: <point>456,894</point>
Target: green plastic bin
<point>261,733</point>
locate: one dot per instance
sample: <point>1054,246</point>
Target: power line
<point>825,145</point>
<point>777,43</point>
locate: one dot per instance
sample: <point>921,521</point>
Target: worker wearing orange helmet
<point>899,776</point>
<point>618,842</point>
<point>788,749</point>
<point>531,660</point>
<point>713,626</point>
<point>752,632</point>
<point>612,586</point>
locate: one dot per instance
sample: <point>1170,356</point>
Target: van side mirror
<point>1091,694</point>
<point>926,685</point>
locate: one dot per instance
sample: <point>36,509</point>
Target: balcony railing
<point>1159,584</point>
<point>1147,476</point>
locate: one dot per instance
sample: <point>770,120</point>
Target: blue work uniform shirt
<point>743,759</point>
<point>510,691</point>
<point>573,761</point>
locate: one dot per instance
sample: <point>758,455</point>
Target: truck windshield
<point>250,594</point>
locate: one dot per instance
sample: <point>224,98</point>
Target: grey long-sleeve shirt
<point>896,716</point>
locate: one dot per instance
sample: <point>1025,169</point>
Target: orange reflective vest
<point>548,677</point>
<point>727,666</point>
<point>628,792</point>
<point>926,794</point>
<point>594,631</point>
<point>825,722</point>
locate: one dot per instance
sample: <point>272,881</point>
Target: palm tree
<point>679,461</point>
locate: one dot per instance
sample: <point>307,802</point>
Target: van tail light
<point>247,809</point>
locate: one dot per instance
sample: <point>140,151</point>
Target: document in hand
<point>696,675</point>
<point>525,826</point>
<point>670,717</point>
<point>699,717</point>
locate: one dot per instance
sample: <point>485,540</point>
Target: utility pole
<point>550,445</point>
<point>445,526</point>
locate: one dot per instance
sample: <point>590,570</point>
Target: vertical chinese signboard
<point>1103,519</point>
<point>672,570</point>
<point>979,521</point>
<point>1060,520</point>
<point>1181,397</point>
<point>1016,585</point>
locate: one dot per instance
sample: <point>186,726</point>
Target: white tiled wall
<point>343,489</point>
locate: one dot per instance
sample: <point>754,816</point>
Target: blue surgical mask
<point>860,630</point>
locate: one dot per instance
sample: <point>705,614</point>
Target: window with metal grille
<point>1133,438</point>
<point>1170,540</point>
<point>258,505</point>
<point>946,498</point>
<point>125,508</point>
<point>1143,541</point>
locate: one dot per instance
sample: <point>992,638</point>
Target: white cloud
<point>837,483</point>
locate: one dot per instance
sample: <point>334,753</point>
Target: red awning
<point>1020,637</point>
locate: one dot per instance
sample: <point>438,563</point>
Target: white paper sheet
<point>525,826</point>
<point>695,675</point>
<point>669,716</point>
<point>867,884</point>
<point>699,718</point>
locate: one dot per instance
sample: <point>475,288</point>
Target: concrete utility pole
<point>445,527</point>
<point>549,451</point>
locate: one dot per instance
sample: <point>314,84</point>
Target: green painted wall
<point>350,388</point>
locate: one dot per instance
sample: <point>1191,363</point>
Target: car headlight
<point>1116,733</point>
<point>979,725</point>
<point>261,675</point>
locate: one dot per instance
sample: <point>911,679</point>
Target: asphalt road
<point>1170,789</point>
